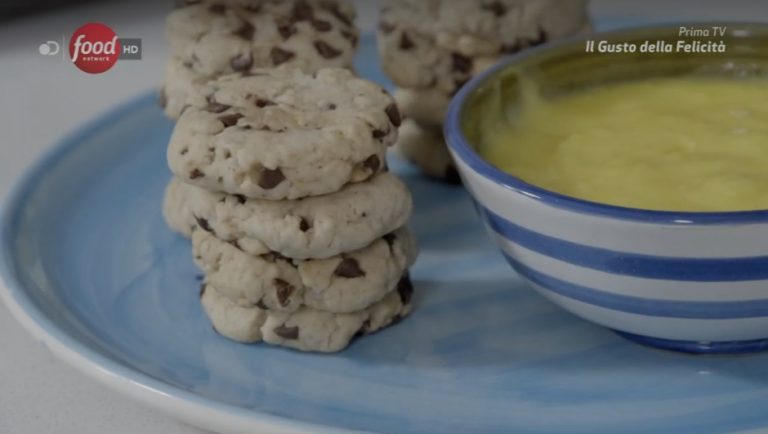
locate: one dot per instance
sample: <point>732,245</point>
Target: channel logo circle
<point>94,48</point>
<point>44,49</point>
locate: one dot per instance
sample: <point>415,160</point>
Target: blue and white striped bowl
<point>694,282</point>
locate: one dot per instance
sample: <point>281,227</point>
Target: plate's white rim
<point>175,402</point>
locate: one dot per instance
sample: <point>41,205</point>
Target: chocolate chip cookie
<point>216,37</point>
<point>283,134</point>
<point>313,227</point>
<point>425,147</point>
<point>344,283</point>
<point>426,107</point>
<point>305,329</point>
<point>441,44</point>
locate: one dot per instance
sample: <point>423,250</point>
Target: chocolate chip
<point>452,176</point>
<point>460,63</point>
<point>349,268</point>
<point>283,291</point>
<point>321,25</point>
<point>350,36</point>
<point>215,107</point>
<point>240,198</point>
<point>245,31</point>
<point>458,84</point>
<point>203,287</point>
<point>196,173</point>
<point>271,178</point>
<point>510,49</point>
<point>230,119</point>
<point>378,134</point>
<point>273,256</point>
<point>203,224</point>
<point>372,163</point>
<point>280,56</point>
<point>326,50</point>
<point>542,38</point>
<point>286,30</point>
<point>241,62</point>
<point>260,304</point>
<point>394,114</point>
<point>406,43</point>
<point>162,98</point>
<point>496,8</point>
<point>405,289</point>
<point>333,8</point>
<point>250,7</point>
<point>390,239</point>
<point>184,151</point>
<point>365,328</point>
<point>330,106</point>
<point>304,225</point>
<point>302,11</point>
<point>217,9</point>
<point>286,332</point>
<point>227,154</point>
<point>386,28</point>
<point>235,244</point>
<point>183,3</point>
<point>261,102</point>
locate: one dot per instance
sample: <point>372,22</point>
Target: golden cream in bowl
<point>630,188</point>
<point>677,144</point>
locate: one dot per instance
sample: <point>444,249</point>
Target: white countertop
<point>42,98</point>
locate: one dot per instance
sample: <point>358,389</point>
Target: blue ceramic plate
<point>92,271</point>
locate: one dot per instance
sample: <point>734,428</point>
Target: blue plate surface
<point>90,265</point>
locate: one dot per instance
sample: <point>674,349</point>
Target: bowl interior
<point>567,67</point>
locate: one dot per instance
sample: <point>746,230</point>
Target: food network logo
<point>95,48</point>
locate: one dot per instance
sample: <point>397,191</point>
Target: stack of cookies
<point>282,184</point>
<point>211,38</point>
<point>430,49</point>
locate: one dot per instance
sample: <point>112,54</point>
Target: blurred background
<point>18,8</point>
<point>44,97</point>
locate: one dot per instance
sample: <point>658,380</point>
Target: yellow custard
<point>684,144</point>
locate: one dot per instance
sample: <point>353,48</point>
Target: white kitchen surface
<point>43,98</point>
